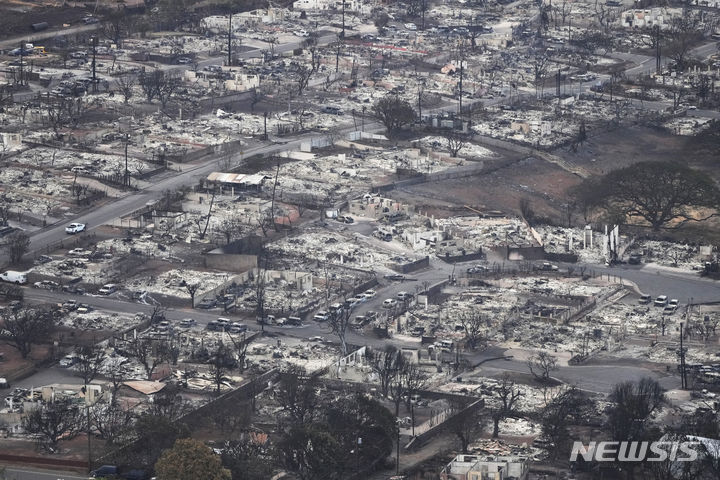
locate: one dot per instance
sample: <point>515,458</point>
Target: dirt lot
<point>542,182</point>
<point>18,16</point>
<point>605,151</point>
<point>545,184</point>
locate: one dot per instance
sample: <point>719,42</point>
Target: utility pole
<point>683,377</point>
<point>656,32</point>
<point>127,178</point>
<point>420,103</point>
<point>265,115</point>
<point>94,53</point>
<point>22,51</point>
<point>230,40</point>
<point>397,456</point>
<point>337,57</point>
<point>342,34</point>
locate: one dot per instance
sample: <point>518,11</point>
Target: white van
<point>13,277</point>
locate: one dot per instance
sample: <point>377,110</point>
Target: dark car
<point>635,259</point>
<point>104,471</point>
<point>207,303</point>
<point>135,475</point>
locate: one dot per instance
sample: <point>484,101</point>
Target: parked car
<point>187,323</point>
<point>369,294</point>
<point>395,276</point>
<point>74,228</point>
<point>402,296</point>
<point>389,303</point>
<point>108,289</point>
<point>68,361</point>
<point>644,299</point>
<point>321,316</point>
<point>46,285</point>
<point>104,472</point>
<point>237,327</point>
<point>207,303</point>
<point>661,301</point>
<point>635,259</point>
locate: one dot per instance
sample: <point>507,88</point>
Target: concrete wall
<point>231,262</point>
<point>412,266</point>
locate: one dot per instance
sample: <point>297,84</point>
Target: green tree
<point>249,458</point>
<point>311,452</point>
<point>364,418</point>
<point>660,193</point>
<point>393,112</point>
<point>189,460</point>
<point>155,433</point>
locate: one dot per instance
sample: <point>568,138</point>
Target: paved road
<point>658,281</point>
<point>19,473</point>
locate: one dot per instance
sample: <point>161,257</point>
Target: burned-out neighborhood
<point>322,240</point>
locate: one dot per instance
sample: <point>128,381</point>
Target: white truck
<point>12,276</point>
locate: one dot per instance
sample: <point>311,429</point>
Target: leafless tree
<point>684,32</point>
<point>167,88</point>
<point>240,345</point>
<point>61,111</point>
<point>115,376</point>
<point>149,83</point>
<point>302,78</point>
<point>148,353</point>
<point>605,16</point>
<point>265,220</point>
<point>455,140</point>
<point>89,361</point>
<point>414,380</point>
<point>115,26</point>
<point>467,428</point>
<point>192,289</point>
<point>507,396</point>
<point>53,422</point>
<point>230,227</point>
<point>385,363</point>
<point>126,83</point>
<point>541,365</point>
<point>112,422</point>
<point>339,323</point>
<point>540,65</point>
<point>221,362</point>
<point>473,323</point>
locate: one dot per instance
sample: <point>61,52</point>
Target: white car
<point>75,228</point>
<point>389,303</point>
<point>369,294</point>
